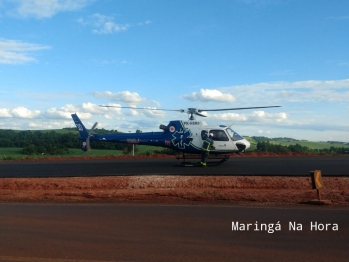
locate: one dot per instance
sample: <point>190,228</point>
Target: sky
<point>59,57</point>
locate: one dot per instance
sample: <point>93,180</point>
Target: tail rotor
<point>90,134</point>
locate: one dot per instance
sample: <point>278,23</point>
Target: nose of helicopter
<point>247,144</point>
<point>243,144</point>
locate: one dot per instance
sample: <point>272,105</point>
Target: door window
<point>219,135</point>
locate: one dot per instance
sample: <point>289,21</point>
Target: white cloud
<point>45,8</point>
<point>17,52</point>
<point>262,132</point>
<point>57,113</point>
<point>65,112</point>
<point>154,113</point>
<point>4,112</point>
<point>42,125</point>
<point>103,24</point>
<point>23,112</point>
<point>299,91</point>
<point>207,95</point>
<point>130,98</point>
<point>112,112</point>
<point>258,116</point>
<point>144,111</point>
<point>255,116</point>
<point>143,125</point>
<point>230,117</point>
<point>133,112</point>
<point>84,111</point>
<point>93,108</point>
<point>19,112</point>
<point>148,22</point>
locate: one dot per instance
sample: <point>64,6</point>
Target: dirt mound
<point>170,189</point>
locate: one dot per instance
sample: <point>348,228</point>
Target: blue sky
<point>64,56</point>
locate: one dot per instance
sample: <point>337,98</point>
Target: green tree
<point>29,150</point>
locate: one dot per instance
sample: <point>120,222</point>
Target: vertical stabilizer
<point>80,126</point>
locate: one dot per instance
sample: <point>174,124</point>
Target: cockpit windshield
<point>234,136</point>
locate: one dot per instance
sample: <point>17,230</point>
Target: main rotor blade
<point>236,108</point>
<point>198,114</point>
<point>145,108</point>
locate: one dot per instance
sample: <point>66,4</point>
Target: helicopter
<point>185,137</point>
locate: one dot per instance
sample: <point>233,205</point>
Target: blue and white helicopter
<point>183,136</point>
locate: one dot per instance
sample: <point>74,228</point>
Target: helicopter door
<point>221,140</point>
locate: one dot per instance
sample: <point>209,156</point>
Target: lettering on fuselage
<point>132,141</point>
<point>79,127</point>
<point>192,123</point>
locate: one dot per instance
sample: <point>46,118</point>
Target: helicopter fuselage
<point>183,136</point>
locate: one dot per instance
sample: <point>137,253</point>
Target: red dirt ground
<point>239,189</point>
<point>173,189</point>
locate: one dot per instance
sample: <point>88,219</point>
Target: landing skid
<point>211,161</point>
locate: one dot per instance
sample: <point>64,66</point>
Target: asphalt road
<point>140,232</point>
<point>276,166</point>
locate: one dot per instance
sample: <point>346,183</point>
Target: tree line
<point>50,142</point>
<point>266,146</point>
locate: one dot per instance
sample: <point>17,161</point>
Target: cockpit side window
<point>219,135</point>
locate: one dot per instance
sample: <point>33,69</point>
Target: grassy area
<point>9,152</point>
<point>12,153</point>
<point>148,149</point>
<point>16,153</point>
<point>59,131</point>
<point>310,144</point>
<point>288,141</point>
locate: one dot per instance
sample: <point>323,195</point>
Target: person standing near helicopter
<point>206,147</point>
